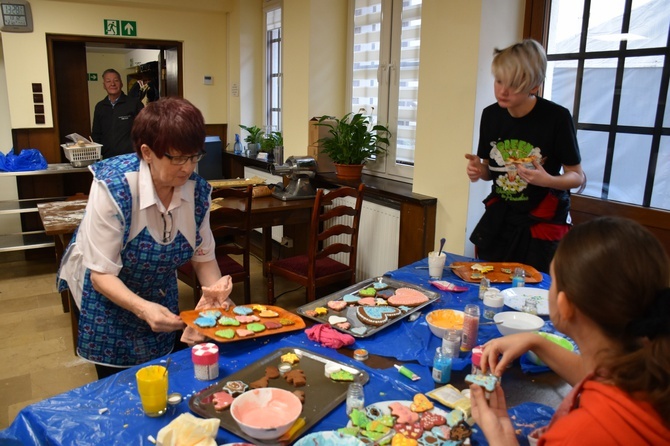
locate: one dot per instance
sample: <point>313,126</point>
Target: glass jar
<point>355,397</point>
<point>470,327</point>
<point>519,277</point>
<point>451,343</point>
<point>441,367</point>
<point>493,303</point>
<point>529,306</point>
<point>483,286</point>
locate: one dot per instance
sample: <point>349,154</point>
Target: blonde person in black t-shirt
<point>528,148</point>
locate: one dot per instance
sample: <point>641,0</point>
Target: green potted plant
<point>254,139</point>
<point>352,141</point>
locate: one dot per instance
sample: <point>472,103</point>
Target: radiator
<point>378,239</point>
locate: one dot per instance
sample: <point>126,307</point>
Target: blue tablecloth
<point>109,411</point>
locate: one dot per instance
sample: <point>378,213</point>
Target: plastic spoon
<point>442,242</point>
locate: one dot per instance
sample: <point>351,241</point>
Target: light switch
<point>208,80</point>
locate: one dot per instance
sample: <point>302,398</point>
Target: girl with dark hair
<point>609,293</point>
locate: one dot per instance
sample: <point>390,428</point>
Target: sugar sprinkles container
<point>205,359</point>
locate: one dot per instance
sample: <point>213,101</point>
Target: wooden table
<point>61,218</point>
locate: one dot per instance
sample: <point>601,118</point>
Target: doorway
<point>68,75</point>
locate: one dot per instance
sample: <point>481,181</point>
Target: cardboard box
<point>314,149</point>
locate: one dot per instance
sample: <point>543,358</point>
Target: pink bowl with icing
<point>266,413</point>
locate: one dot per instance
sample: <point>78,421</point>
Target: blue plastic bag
<point>27,159</point>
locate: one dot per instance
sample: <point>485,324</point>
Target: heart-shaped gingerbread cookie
<point>376,316</point>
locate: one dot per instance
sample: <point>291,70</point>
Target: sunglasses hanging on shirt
<point>167,229</point>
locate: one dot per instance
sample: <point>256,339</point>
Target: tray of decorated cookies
<point>242,322</point>
<point>363,309</point>
<point>496,272</point>
<point>320,382</point>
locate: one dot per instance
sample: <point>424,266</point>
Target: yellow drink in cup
<point>152,385</point>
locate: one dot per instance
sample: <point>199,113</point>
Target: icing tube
<point>404,371</point>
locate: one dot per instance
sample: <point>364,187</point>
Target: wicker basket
<point>80,156</point>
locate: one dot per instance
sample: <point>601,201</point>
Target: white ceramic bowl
<point>439,321</point>
<point>517,322</point>
<point>266,413</point>
<point>563,342</point>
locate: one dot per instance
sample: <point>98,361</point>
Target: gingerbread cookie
<point>401,440</point>
<point>337,305</point>
<point>421,403</point>
<point>429,420</point>
<point>407,296</point>
<point>296,378</point>
<point>403,414</point>
<point>272,372</point>
<point>222,400</point>
<point>259,383</point>
<point>413,430</point>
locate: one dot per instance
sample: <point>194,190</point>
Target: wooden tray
<point>463,270</point>
<point>190,316</point>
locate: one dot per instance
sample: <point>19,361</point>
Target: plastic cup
<point>152,385</point>
<point>436,261</point>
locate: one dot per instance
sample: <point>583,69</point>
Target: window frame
<point>584,208</point>
<point>388,89</point>
<point>269,93</point>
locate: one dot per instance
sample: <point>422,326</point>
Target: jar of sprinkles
<point>205,359</point>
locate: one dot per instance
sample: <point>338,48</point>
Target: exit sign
<point>93,77</point>
<point>126,28</point>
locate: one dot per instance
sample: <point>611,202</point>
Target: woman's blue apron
<point>109,334</point>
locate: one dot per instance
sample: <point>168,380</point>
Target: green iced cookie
<point>255,327</point>
<point>229,321</point>
<point>358,418</point>
<point>353,431</point>
<point>341,375</point>
<point>228,333</point>
<point>368,292</point>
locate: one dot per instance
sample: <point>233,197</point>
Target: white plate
<point>328,437</point>
<point>383,407</point>
<point>516,297</point>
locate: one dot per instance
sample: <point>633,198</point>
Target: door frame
<point>173,76</point>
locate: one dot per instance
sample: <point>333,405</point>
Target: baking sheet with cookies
<point>384,288</point>
<point>271,317</point>
<point>322,394</point>
<point>501,273</point>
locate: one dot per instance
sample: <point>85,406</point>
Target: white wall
<point>8,223</point>
<point>491,36</point>
<point>203,34</point>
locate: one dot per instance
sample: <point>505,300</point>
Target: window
<point>273,75</point>
<point>609,63</point>
<point>385,75</point>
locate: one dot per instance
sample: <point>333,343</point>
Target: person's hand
<point>474,167</point>
<point>498,353</point>
<point>159,318</point>
<point>217,295</point>
<point>491,415</point>
<point>537,176</point>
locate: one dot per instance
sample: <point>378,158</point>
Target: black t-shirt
<point>546,133</point>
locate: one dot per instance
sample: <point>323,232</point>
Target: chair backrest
<point>326,223</point>
<point>230,218</point>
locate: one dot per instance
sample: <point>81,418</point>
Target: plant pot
<point>252,150</point>
<point>349,171</point>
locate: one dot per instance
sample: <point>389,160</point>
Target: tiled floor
<point>36,351</point>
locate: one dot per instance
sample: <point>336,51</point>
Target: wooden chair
<point>316,269</point>
<point>231,228</point>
